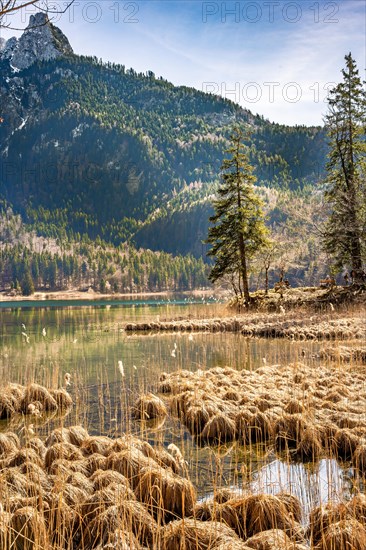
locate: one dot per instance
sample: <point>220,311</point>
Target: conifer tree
<point>344,236</point>
<point>238,229</point>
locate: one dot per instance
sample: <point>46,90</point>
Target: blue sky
<point>275,58</point>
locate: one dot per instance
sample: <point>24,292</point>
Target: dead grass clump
<point>7,445</point>
<point>292,504</point>
<point>357,508</point>
<point>333,396</point>
<point>344,444</point>
<point>103,478</point>
<point>71,494</point>
<point>309,447</point>
<point>344,535</point>
<point>37,444</point>
<point>127,441</point>
<point>66,451</point>
<point>28,529</point>
<point>229,515</point>
<point>294,407</point>
<point>179,404</point>
<point>359,458</point>
<point>122,540</point>
<point>14,503</point>
<point>192,534</point>
<point>129,463</point>
<point>77,435</point>
<point>347,420</point>
<point>327,432</point>
<point>59,435</point>
<point>288,431</point>
<point>95,462</point>
<point>96,444</point>
<point>219,429</point>
<point>273,539</point>
<point>322,517</point>
<point>223,495</point>
<point>35,392</point>
<point>149,406</point>
<point>121,492</point>
<point>22,456</point>
<point>166,495</point>
<point>252,428</point>
<point>35,474</point>
<point>60,468</point>
<point>164,459</point>
<point>231,395</point>
<point>13,482</point>
<point>263,404</point>
<point>8,405</point>
<point>78,479</point>
<point>96,503</point>
<point>62,521</point>
<point>5,540</point>
<point>232,544</point>
<point>137,520</point>
<point>203,510</point>
<point>261,513</point>
<point>62,398</point>
<point>196,419</point>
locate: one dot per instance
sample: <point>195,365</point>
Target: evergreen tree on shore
<point>345,230</point>
<point>238,229</point>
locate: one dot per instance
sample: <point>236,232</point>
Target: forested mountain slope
<point>93,148</point>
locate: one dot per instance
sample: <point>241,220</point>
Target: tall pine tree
<point>344,236</point>
<point>238,229</point>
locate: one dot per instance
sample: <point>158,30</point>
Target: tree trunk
<point>243,269</point>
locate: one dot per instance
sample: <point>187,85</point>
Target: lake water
<point>42,342</point>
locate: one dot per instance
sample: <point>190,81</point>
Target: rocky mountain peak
<point>41,41</point>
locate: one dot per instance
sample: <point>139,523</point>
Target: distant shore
<point>90,294</point>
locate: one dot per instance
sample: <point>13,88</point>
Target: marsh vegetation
<point>187,438</point>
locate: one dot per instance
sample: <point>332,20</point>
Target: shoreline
<point>75,295</point>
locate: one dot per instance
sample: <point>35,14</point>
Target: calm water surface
<point>43,341</point>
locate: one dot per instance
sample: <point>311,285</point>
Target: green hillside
<point>94,150</point>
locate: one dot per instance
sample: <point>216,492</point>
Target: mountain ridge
<point>40,41</point>
<point>96,149</point>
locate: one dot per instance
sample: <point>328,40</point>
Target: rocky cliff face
<point>41,41</point>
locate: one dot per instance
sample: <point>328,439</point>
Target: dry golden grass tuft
<point>149,406</point>
<point>264,512</point>
<point>273,539</point>
<point>345,443</point>
<point>219,429</point>
<point>65,451</point>
<point>96,444</point>
<point>343,535</point>
<point>192,534</point>
<point>28,529</point>
<point>165,494</point>
<point>359,458</point>
<point>321,517</point>
<point>7,445</point>
<point>104,478</point>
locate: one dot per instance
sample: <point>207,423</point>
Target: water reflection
<point>312,483</point>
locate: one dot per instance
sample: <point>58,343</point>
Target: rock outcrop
<point>41,41</point>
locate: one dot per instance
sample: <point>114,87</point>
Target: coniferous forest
<point>98,157</point>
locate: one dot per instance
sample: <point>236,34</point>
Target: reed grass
<point>97,476</point>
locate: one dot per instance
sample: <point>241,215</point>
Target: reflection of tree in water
<point>312,483</point>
